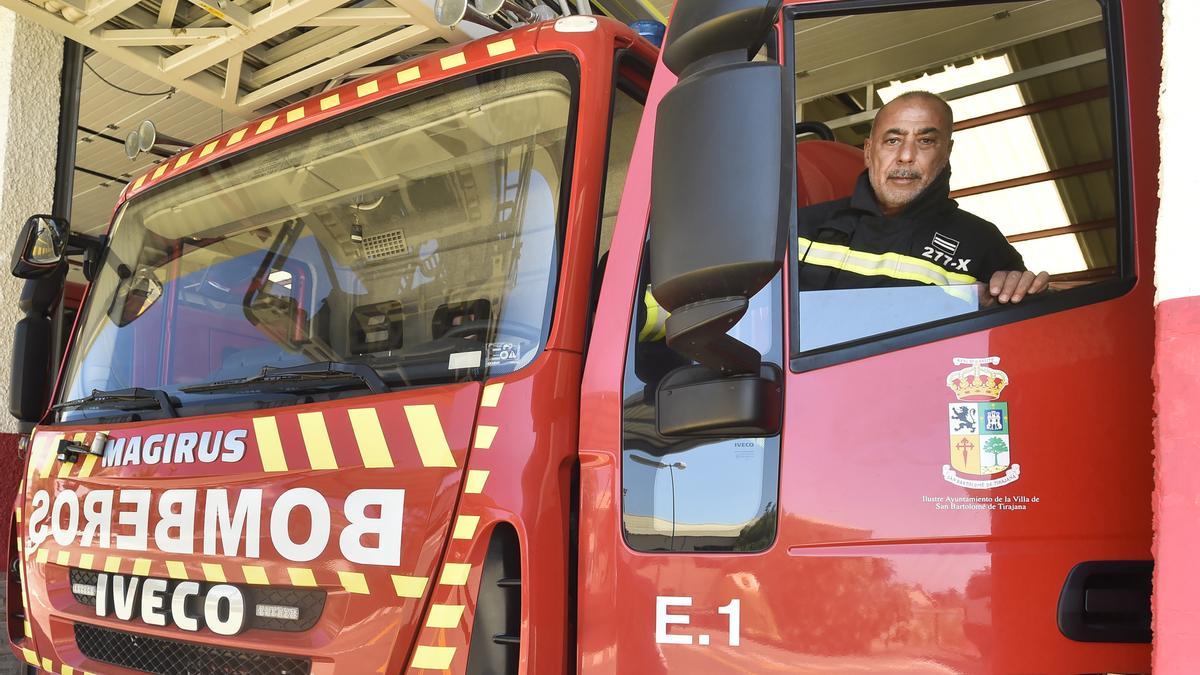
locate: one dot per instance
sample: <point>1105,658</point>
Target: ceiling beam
<point>151,37</point>
<point>99,11</point>
<point>315,54</point>
<point>166,13</point>
<point>387,16</point>
<point>264,24</point>
<point>331,68</point>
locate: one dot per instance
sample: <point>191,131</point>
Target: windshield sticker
<point>979,424</point>
<point>503,353</point>
<point>465,360</point>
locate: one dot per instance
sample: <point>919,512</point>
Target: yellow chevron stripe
<point>86,560</point>
<point>354,582</point>
<point>501,47</point>
<point>409,587</point>
<point>137,184</point>
<point>162,168</point>
<point>112,564</point>
<point>266,125</point>
<point>455,574</point>
<point>433,658</point>
<point>67,670</point>
<point>255,575</point>
<point>295,114</point>
<point>368,88</point>
<point>18,512</point>
<point>141,567</point>
<point>42,556</point>
<point>476,479</point>
<point>63,558</point>
<point>484,435</point>
<point>47,665</point>
<point>85,469</point>
<point>408,75</point>
<point>28,629</point>
<point>454,61</point>
<point>316,440</point>
<point>270,448</point>
<point>208,149</point>
<point>213,572</point>
<point>427,432</point>
<point>491,395</point>
<point>444,616</point>
<point>464,527</point>
<point>236,137</point>
<point>302,576</point>
<point>176,569</point>
<point>183,160</point>
<point>330,102</point>
<point>30,656</point>
<point>369,435</point>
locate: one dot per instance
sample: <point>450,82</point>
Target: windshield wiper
<point>135,398</point>
<point>305,377</point>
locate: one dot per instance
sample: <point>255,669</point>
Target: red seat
<point>826,170</point>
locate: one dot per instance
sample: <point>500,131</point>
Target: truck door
<point>959,484</point>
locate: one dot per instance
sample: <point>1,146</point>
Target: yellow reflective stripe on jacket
<point>655,327</point>
<point>892,265</point>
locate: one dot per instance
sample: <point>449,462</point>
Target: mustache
<point>905,173</point>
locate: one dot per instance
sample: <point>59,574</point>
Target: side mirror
<point>41,247</point>
<point>720,201</point>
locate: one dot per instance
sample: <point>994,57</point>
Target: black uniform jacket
<point>849,243</point>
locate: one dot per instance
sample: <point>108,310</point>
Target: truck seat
<point>826,170</point>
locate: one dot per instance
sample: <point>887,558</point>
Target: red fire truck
<point>473,367</point>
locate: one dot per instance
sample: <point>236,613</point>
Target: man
<point>900,227</point>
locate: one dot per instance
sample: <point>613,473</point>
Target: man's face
<point>907,149</point>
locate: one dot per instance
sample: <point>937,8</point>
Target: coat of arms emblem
<point>979,427</point>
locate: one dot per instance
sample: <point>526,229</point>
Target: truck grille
<point>157,655</point>
<point>309,601</point>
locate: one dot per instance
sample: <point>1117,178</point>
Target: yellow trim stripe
<point>270,448</point>
<point>28,629</point>
<point>86,560</point>
<point>433,658</point>
<point>354,582</point>
<point>141,567</point>
<point>255,575</point>
<point>369,435</point>
<point>213,572</point>
<point>176,569</point>
<point>42,556</point>
<point>47,664</point>
<point>409,587</point>
<point>162,168</point>
<point>64,469</point>
<point>138,183</point>
<point>444,616</point>
<point>51,455</point>
<point>484,435</point>
<point>67,670</point>
<point>408,75</point>
<point>476,478</point>
<point>491,395</point>
<point>501,47</point>
<point>302,576</point>
<point>454,61</point>
<point>455,574</point>
<point>368,88</point>
<point>183,160</point>
<point>316,440</point>
<point>112,564</point>
<point>464,527</point>
<point>332,101</point>
<point>208,149</point>
<point>235,138</point>
<point>266,124</point>
<point>30,655</point>
<point>18,512</point>
<point>894,265</point>
<point>63,558</point>
<point>431,439</point>
<point>89,463</point>
<point>295,114</point>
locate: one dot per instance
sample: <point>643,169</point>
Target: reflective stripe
<point>655,327</point>
<point>892,265</point>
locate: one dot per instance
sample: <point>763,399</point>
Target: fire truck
<point>495,362</point>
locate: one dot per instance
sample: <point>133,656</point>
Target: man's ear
<point>867,152</point>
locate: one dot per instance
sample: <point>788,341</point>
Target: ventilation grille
<point>310,601</point>
<point>385,245</point>
<point>157,655</point>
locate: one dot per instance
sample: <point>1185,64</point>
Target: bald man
<point>900,227</point>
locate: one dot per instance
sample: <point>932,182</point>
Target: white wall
<point>1175,273</point>
<point>30,72</point>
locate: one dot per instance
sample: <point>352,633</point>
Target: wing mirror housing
<point>41,248</point>
<point>720,202</point>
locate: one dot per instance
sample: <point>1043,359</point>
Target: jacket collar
<point>935,196</point>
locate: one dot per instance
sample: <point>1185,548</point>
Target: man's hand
<point>1014,286</point>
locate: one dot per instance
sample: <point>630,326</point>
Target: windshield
<point>420,241</point>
